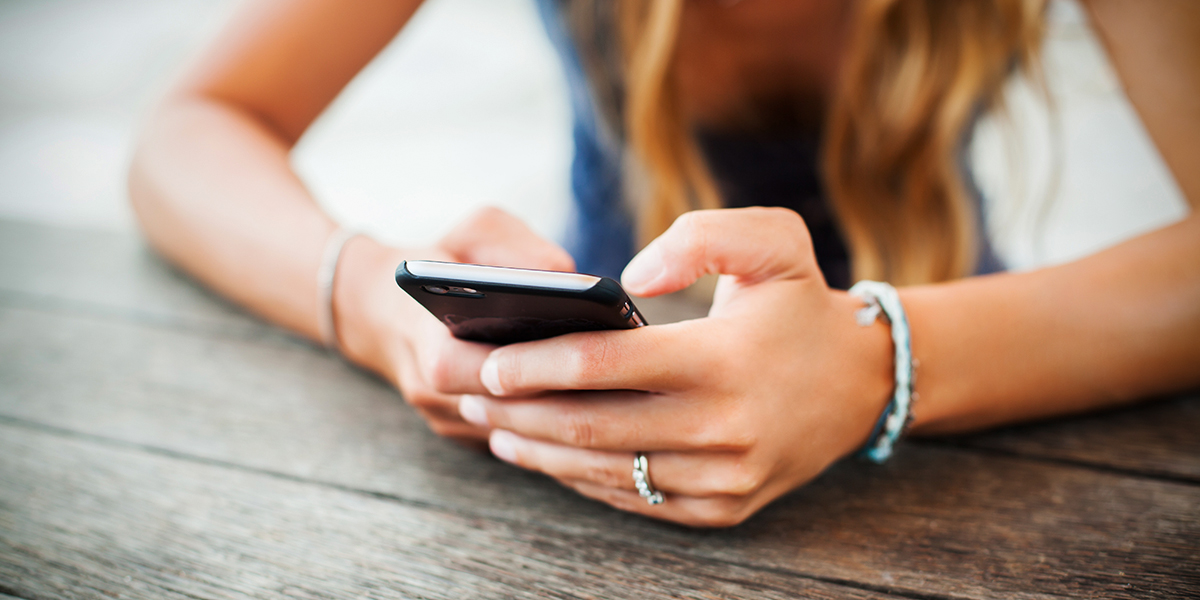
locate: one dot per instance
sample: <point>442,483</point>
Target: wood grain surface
<point>1159,437</point>
<point>156,442</point>
<point>88,516</point>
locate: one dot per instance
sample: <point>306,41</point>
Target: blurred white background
<point>467,107</point>
<point>464,108</point>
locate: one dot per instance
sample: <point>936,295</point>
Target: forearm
<point>1119,325</point>
<point>214,193</point>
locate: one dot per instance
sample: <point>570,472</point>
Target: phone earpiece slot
<point>453,290</point>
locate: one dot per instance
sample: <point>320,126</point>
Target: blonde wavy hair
<point>915,75</point>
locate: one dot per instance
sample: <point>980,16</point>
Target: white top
<point>1064,183</point>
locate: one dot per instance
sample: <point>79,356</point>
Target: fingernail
<point>644,268</point>
<point>504,445</point>
<point>490,376</point>
<point>472,410</point>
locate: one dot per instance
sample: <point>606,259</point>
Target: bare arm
<point>1155,47</point>
<point>211,183</point>
<point>214,191</point>
<point>1120,325</point>
<point>1117,326</point>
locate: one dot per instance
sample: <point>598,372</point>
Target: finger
<point>611,421</point>
<point>450,365</point>
<point>455,427</point>
<point>491,236</point>
<point>432,405</point>
<point>447,420</point>
<point>720,511</point>
<point>697,474</point>
<point>444,413</point>
<point>646,358</point>
<point>754,244</point>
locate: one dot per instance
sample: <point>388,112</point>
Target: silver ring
<point>641,480</point>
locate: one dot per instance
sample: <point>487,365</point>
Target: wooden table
<point>157,443</point>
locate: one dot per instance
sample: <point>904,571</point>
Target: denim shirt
<point>599,232</point>
<point>758,171</point>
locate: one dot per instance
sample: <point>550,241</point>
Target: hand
<point>385,330</point>
<point>733,410</point>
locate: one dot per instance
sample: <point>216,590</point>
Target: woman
<point>781,379</point>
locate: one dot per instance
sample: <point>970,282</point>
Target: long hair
<point>915,74</point>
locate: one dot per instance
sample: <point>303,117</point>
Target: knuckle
<point>794,228</point>
<point>439,370</point>
<point>710,366</point>
<point>508,371</point>
<point>604,475</point>
<point>587,361</point>
<point>693,233</point>
<point>577,430</point>
<point>727,433</point>
<point>788,217</point>
<point>709,434</point>
<point>740,440</point>
<point>739,432</point>
<point>740,482</point>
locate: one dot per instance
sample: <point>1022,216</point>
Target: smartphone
<point>500,305</point>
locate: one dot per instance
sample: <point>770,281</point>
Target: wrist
<point>882,302</point>
<point>942,383</point>
<point>870,374</point>
<point>363,292</point>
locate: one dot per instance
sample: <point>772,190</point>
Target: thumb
<point>752,244</point>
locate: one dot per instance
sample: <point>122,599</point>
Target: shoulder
<point>1065,178</point>
<point>1155,49</point>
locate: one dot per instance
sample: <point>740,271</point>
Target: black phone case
<point>507,314</point>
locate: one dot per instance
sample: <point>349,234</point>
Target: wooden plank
<point>86,520</point>
<point>1157,439</point>
<point>935,522</point>
<point>112,275</point>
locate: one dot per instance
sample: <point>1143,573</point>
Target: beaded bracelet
<point>881,297</point>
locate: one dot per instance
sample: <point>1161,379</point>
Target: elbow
<point>157,167</point>
<point>137,185</point>
<point>144,197</point>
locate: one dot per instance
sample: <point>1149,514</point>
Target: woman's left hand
<point>732,410</point>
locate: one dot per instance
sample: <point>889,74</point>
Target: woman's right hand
<point>383,329</point>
